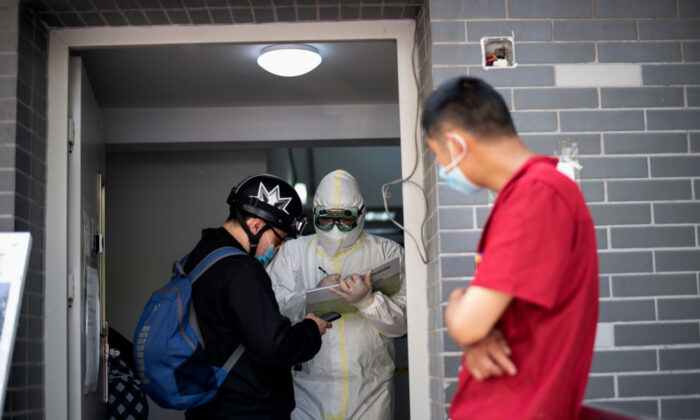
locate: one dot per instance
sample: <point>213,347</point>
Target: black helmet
<point>271,199</point>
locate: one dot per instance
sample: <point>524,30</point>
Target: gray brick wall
<point>438,364</point>
<point>8,112</point>
<point>637,123</point>
<point>22,191</point>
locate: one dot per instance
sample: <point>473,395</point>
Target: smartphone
<point>330,316</point>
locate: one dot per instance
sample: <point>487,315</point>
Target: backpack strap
<point>203,266</point>
<point>232,359</point>
<point>211,259</point>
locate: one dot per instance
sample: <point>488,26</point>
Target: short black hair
<point>469,103</point>
<point>233,215</point>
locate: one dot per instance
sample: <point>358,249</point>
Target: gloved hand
<point>329,280</point>
<point>356,290</point>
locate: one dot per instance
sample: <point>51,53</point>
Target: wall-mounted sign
<point>14,258</point>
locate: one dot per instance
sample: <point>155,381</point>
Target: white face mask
<point>332,241</point>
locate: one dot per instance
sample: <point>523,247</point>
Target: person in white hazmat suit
<point>352,375</point>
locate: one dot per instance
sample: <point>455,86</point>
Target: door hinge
<point>98,244</point>
<point>71,135</point>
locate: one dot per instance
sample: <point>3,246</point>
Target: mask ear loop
<point>461,156</point>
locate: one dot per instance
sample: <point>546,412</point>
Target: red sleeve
<point>528,244</point>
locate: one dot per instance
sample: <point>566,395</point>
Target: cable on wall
<point>422,250</point>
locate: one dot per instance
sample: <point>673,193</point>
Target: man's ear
<point>255,224</point>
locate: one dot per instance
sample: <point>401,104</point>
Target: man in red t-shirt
<point>536,278</point>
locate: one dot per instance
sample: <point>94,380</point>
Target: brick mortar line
<point>578,41</point>
<point>637,398</point>
<point>654,248</point>
<point>662,297</point>
<point>645,299</point>
<point>645,373</point>
<point>574,133</point>
<point>687,272</point>
<point>652,224</point>
<point>455,279</point>
<point>608,109</point>
<point>642,155</point>
<point>594,401</point>
<point>661,248</point>
<point>656,322</point>
<point>668,397</point>
<point>655,300</point>
<point>660,178</point>
<point>563,19</point>
<point>680,201</point>
<point>638,273</point>
<point>644,87</point>
<point>649,348</point>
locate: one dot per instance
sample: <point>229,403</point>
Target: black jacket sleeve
<point>268,336</point>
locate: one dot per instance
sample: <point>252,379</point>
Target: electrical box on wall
<point>498,52</point>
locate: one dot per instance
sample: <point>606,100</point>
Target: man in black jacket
<point>235,305</point>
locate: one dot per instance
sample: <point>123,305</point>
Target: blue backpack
<point>168,345</point>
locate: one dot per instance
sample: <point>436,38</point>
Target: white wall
<point>260,124</point>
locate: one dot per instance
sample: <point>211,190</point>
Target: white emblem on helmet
<point>273,197</point>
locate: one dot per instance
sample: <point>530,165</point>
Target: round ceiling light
<point>289,60</point>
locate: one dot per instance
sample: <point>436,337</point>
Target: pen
<point>323,271</point>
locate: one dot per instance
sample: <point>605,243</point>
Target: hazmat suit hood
<point>339,189</point>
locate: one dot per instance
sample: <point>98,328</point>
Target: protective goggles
<point>344,219</point>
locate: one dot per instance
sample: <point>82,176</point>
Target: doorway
<point>158,201</point>
<point>399,32</point>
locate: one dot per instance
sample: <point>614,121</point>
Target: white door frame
<point>60,43</point>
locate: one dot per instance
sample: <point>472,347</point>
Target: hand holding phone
<point>330,316</point>
<point>321,323</point>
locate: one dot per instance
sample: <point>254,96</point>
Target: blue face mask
<point>267,256</point>
<point>453,175</point>
<point>456,180</point>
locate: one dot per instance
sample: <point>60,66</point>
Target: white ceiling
<point>227,75</point>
